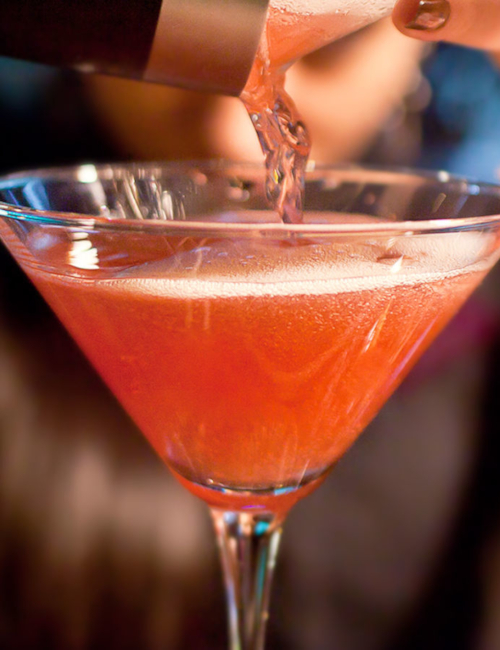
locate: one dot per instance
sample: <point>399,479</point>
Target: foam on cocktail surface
<point>226,269</point>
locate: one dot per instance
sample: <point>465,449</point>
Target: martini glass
<point>251,353</point>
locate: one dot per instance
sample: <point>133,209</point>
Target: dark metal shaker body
<point>199,44</point>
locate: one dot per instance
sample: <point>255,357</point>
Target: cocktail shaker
<point>199,44</point>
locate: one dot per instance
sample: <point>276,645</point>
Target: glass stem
<point>248,545</point>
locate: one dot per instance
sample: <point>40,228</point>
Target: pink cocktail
<point>250,353</point>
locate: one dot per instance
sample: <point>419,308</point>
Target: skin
<point>472,23</point>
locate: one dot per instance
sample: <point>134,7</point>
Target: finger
<point>474,23</point>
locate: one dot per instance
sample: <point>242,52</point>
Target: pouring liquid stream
<point>292,31</point>
<point>286,145</point>
<point>282,134</point>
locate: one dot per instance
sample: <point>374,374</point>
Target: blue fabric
<point>462,122</point>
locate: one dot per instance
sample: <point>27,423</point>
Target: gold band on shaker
<point>206,44</point>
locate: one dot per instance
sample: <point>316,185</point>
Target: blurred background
<point>400,548</point>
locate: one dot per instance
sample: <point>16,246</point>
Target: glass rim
<point>109,171</point>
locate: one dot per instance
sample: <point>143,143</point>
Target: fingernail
<point>430,16</point>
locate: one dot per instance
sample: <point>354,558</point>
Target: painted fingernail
<point>430,16</point>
